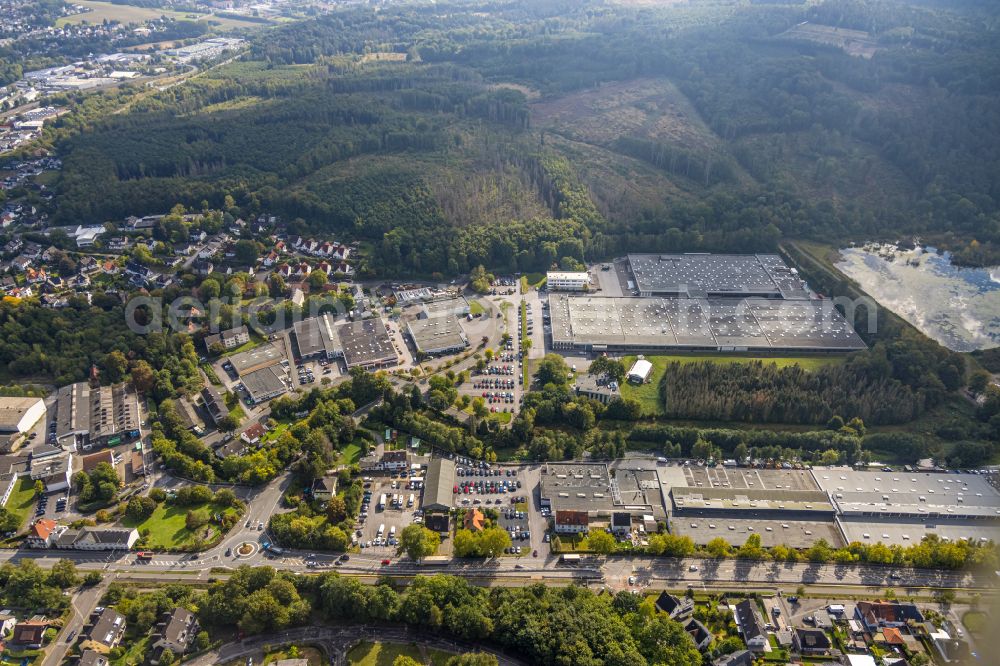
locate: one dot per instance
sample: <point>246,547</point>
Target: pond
<point>958,307</point>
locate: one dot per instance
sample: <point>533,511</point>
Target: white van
<point>381,529</point>
<point>409,502</point>
<point>392,531</point>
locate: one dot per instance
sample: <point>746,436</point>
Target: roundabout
<point>246,549</point>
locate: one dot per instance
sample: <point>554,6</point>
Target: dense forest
<point>514,134</point>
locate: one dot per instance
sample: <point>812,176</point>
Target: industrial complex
<point>791,507</point>
<point>702,303</point>
<point>436,328</point>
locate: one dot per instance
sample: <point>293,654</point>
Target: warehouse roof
<point>910,493</point>
<point>700,275</point>
<point>259,357</point>
<point>317,335</point>
<point>12,410</point>
<point>651,323</point>
<point>366,342</point>
<point>439,485</point>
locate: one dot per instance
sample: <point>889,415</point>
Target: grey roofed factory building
<point>317,337</point>
<point>715,275</point>
<point>266,383</point>
<point>254,359</point>
<point>729,501</point>
<point>17,417</point>
<point>106,415</point>
<point>367,344</point>
<point>437,329</point>
<point>588,487</point>
<point>439,485</point>
<point>903,507</point>
<point>597,323</point>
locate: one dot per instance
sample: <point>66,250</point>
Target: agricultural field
<point>648,394</point>
<point>106,11</point>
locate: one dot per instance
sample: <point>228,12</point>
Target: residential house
<point>474,520</point>
<point>21,263</point>
<point>214,404</point>
<point>395,461</point>
<point>13,245</point>
<point>738,658</point>
<point>750,626</point>
<point>572,522</point>
<point>875,615</point>
<point>229,339</point>
<point>92,658</point>
<point>270,259</point>
<point>203,267</point>
<point>106,630</point>
<point>253,434</point>
<point>811,641</point>
<point>98,538</point>
<point>324,488</point>
<point>30,634</point>
<point>621,523</point>
<point>90,462</point>
<point>175,632</point>
<point>889,637</point>
<point>675,607</point>
<point>50,253</point>
<point>699,633</point>
<point>87,265</point>
<point>7,624</point>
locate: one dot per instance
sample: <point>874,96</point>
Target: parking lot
<point>380,526</point>
<point>511,491</point>
<point>315,371</point>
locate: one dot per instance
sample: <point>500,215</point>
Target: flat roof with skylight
<point>722,275</point>
<point>910,494</point>
<point>597,323</point>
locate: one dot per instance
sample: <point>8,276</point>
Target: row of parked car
<point>494,384</point>
<point>486,487</point>
<point>461,471</point>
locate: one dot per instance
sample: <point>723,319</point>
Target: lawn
<point>975,621</point>
<point>383,654</point>
<point>476,308</point>
<point>135,651</point>
<point>350,454</point>
<point>22,499</point>
<point>535,280</point>
<point>648,394</point>
<point>310,654</point>
<point>502,417</point>
<point>167,529</point>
